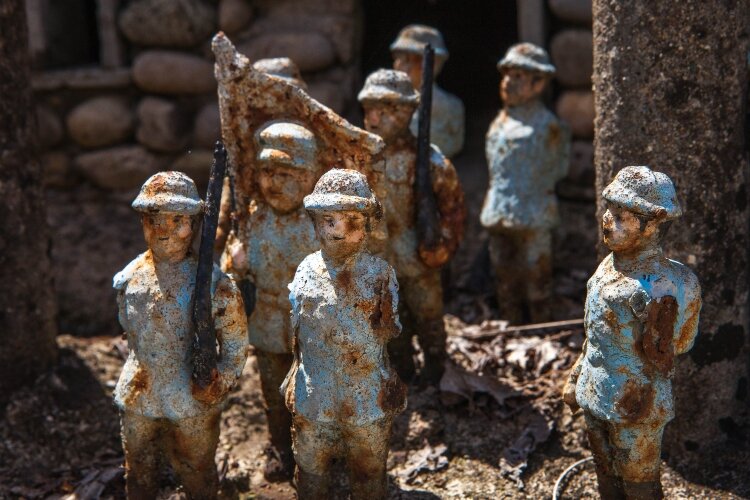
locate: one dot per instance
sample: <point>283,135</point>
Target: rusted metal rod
<point>204,356</point>
<point>427,213</point>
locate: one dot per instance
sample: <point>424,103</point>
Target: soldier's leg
<point>598,433</point>
<point>315,445</point>
<point>424,300</point>
<point>273,367</point>
<point>538,265</point>
<point>366,458</point>
<point>507,266</point>
<point>639,459</point>
<point>192,452</point>
<point>141,438</point>
<point>400,349</point>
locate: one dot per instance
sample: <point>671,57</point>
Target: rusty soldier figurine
<point>641,311</point>
<point>277,236</point>
<point>527,151</point>
<point>447,130</point>
<point>161,408</point>
<point>341,390</point>
<point>389,101</point>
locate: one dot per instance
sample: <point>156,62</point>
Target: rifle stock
<point>204,354</point>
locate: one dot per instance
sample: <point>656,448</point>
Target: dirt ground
<point>60,436</point>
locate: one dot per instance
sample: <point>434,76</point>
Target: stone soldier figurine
<point>161,409</point>
<point>277,235</point>
<point>389,100</point>
<point>341,390</point>
<point>641,311</point>
<point>527,152</point>
<point>447,123</point>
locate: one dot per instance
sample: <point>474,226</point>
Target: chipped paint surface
<point>155,300</point>
<point>248,99</point>
<point>527,150</point>
<point>341,390</point>
<point>272,247</point>
<point>343,318</point>
<point>641,312</point>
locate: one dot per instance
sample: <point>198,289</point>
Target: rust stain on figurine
<point>389,101</point>
<point>162,411</point>
<point>341,390</point>
<point>448,116</point>
<point>527,150</point>
<point>642,310</point>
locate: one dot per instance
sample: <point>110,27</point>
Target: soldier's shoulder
<point>121,279</point>
<point>310,263</point>
<point>439,160</point>
<point>221,279</point>
<point>685,277</point>
<point>376,264</point>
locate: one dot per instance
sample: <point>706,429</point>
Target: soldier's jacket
<point>275,245</point>
<point>618,381</point>
<point>343,319</point>
<point>527,150</point>
<point>155,305</point>
<point>399,205</point>
<point>446,123</point>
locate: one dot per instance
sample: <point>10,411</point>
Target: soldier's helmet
<point>288,144</point>
<point>388,85</point>
<point>169,192</point>
<point>414,37</point>
<point>645,192</point>
<point>343,189</point>
<point>281,67</point>
<point>527,56</point>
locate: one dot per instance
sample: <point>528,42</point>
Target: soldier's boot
<point>140,441</point>
<point>311,486</point>
<point>610,486</point>
<point>401,356</point>
<point>432,340</point>
<point>273,367</point>
<point>649,490</point>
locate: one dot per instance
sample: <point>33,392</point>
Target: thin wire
<point>559,482</point>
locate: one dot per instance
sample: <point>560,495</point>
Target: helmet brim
<point>167,203</point>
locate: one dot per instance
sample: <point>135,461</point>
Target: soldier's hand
<point>238,256</point>
<point>569,396</point>
<point>213,393</point>
<point>434,257</point>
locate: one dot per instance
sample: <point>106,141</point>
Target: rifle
<point>204,352</point>
<point>426,207</point>
<point>247,287</point>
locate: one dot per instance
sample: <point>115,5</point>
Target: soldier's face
<point>388,120</point>
<point>168,236</point>
<point>518,86</point>
<point>341,234</point>
<point>624,232</point>
<point>283,187</point>
<point>411,64</point>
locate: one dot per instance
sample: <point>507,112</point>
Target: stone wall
<point>150,105</point>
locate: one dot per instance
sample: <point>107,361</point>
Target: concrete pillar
<point>670,80</point>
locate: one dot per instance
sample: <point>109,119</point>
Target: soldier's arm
<point>230,325</point>
<point>388,302</point>
<point>686,327</point>
<point>569,391</point>
<point>449,198</point>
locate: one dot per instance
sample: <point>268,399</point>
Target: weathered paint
<point>641,311</point>
<point>448,114</point>
<point>155,391</point>
<point>417,268</point>
<point>527,150</point>
<point>341,389</point>
<point>249,99</point>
